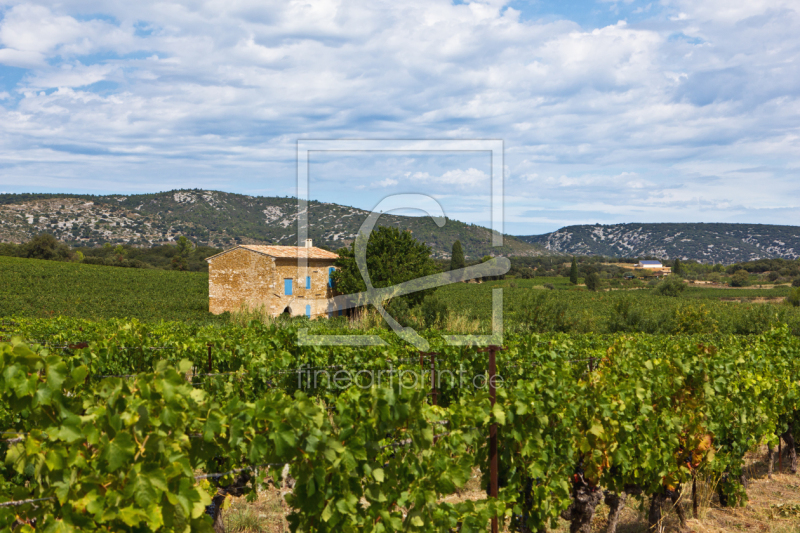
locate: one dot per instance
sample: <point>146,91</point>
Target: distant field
<point>577,310</point>
<point>36,288</point>
<point>743,293</point>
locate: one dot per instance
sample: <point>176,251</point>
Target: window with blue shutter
<point>287,287</point>
<point>331,283</point>
<point>308,282</point>
<point>308,311</point>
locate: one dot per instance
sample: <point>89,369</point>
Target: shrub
<point>539,312</point>
<point>45,246</point>
<point>549,286</point>
<point>626,316</point>
<point>400,310</point>
<point>796,282</point>
<point>592,281</point>
<point>433,311</point>
<point>773,276</point>
<point>754,319</point>
<point>692,320</point>
<point>740,278</point>
<point>671,287</point>
<point>794,297</point>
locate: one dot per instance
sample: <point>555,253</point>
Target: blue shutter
<point>287,287</point>
<point>308,311</point>
<point>331,283</point>
<point>308,282</point>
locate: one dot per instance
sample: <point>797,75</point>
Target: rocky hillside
<point>219,219</point>
<point>708,243</point>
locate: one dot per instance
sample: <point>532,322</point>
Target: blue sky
<point>628,111</point>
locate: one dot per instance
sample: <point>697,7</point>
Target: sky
<point>609,111</point>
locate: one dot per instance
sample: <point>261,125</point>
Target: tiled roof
<point>285,252</point>
<point>292,251</point>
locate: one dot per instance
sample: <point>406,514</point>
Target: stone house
<point>255,276</point>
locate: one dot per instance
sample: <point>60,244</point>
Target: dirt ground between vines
<point>773,507</point>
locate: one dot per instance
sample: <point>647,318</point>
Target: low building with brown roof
<point>272,278</point>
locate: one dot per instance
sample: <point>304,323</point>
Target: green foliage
<point>740,278</point>
<point>393,257</point>
<point>181,256</point>
<point>677,267</point>
<point>794,297</point>
<point>36,288</point>
<point>573,272</point>
<point>457,256</point>
<point>113,454</point>
<point>671,287</point>
<point>796,282</point>
<point>434,311</point>
<point>592,281</point>
<point>44,246</point>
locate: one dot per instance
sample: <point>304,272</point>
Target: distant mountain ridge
<point>705,242</point>
<point>222,220</point>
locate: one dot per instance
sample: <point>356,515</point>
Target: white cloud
<point>471,177</point>
<point>220,92</point>
<point>388,182</point>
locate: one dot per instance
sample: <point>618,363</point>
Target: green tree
<point>573,272</point>
<point>45,246</point>
<point>740,278</point>
<point>794,297</point>
<point>592,281</point>
<point>671,287</point>
<point>184,246</point>
<point>393,257</point>
<point>677,267</point>
<point>457,256</point>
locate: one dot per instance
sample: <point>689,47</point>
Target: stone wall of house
<point>246,279</point>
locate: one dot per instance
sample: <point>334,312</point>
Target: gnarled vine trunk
<point>235,489</point>
<point>770,460</point>
<point>615,502</point>
<point>788,438</point>
<point>660,504</point>
<point>580,513</point>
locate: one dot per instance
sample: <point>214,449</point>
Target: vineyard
<point>128,426</point>
<point>39,289</point>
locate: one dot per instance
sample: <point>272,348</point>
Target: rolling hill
<point>221,220</point>
<point>708,243</point>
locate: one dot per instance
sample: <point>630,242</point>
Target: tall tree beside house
<point>393,257</point>
<point>573,272</point>
<point>183,247</point>
<point>677,267</point>
<point>457,257</point>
